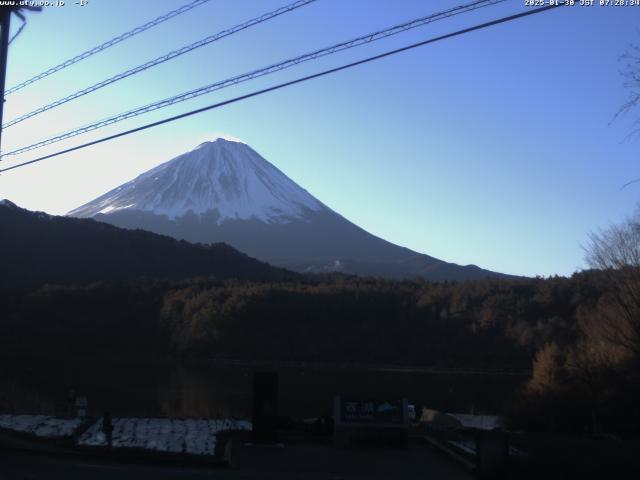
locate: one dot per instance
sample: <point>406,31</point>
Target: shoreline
<point>275,364</point>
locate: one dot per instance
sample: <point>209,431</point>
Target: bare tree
<point>616,252</point>
<point>630,72</point>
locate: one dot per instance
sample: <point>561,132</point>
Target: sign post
<point>371,421</point>
<point>5,25</point>
<point>265,408</point>
<point>81,406</point>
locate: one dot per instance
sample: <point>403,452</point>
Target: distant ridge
<point>39,248</point>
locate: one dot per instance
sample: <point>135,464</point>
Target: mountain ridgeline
<point>40,248</point>
<point>224,191</point>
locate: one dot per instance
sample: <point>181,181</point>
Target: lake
<point>31,384</point>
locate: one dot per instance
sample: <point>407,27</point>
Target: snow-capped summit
<point>223,176</point>
<point>223,191</point>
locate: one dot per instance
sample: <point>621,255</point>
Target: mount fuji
<point>224,191</point>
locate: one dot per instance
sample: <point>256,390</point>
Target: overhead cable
<point>362,40</point>
<point>107,44</point>
<point>286,84</point>
<point>161,59</point>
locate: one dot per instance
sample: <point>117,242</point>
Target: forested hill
<point>489,324</point>
<point>38,248</point>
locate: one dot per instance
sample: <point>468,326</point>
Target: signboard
<point>371,411</point>
<point>379,421</point>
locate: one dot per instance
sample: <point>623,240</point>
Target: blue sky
<point>493,148</point>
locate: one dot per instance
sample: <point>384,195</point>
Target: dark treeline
<point>490,324</point>
<point>549,326</point>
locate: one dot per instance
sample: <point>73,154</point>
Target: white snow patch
<point>111,208</point>
<point>227,137</point>
<point>481,422</point>
<point>469,446</point>
<point>41,425</point>
<point>195,437</point>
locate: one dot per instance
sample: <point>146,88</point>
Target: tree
<point>616,252</point>
<point>547,367</point>
<point>593,365</point>
<point>631,73</point>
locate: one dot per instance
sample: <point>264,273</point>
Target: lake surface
<point>31,384</point>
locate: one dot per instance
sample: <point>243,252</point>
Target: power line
<point>289,83</point>
<point>20,29</point>
<point>163,58</point>
<point>109,43</point>
<point>5,21</point>
<point>364,39</point>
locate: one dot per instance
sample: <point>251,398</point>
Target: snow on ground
<point>481,422</point>
<point>196,437</point>
<point>41,425</point>
<point>469,446</point>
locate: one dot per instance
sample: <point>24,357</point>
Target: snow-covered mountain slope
<point>227,177</point>
<point>223,191</point>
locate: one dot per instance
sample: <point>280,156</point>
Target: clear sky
<point>493,148</point>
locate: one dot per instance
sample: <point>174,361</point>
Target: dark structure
<point>492,456</point>
<point>265,407</point>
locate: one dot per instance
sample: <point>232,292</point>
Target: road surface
<point>287,463</point>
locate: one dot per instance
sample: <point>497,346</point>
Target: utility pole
<point>5,24</point>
